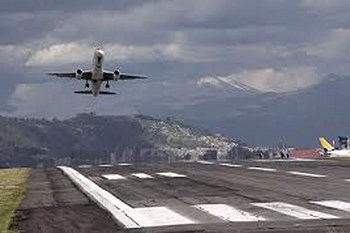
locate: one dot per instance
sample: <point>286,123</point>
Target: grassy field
<point>12,189</point>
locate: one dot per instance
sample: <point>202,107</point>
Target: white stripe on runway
<point>306,174</point>
<point>294,211</point>
<point>340,205</point>
<point>124,164</point>
<point>205,162</point>
<point>284,160</point>
<point>126,215</point>
<point>84,166</point>
<point>347,180</point>
<point>228,213</point>
<point>105,165</point>
<point>106,200</point>
<point>171,174</point>
<point>158,216</point>
<point>262,169</point>
<point>113,177</point>
<point>230,165</point>
<point>142,175</point>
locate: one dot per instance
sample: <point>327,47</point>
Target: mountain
<point>267,119</point>
<point>88,138</point>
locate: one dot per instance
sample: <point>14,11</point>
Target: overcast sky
<point>271,45</point>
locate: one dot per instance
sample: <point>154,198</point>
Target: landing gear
<point>107,85</point>
<point>87,85</point>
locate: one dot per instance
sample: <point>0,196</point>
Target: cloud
<point>334,47</point>
<point>269,79</point>
<point>209,81</point>
<point>10,54</point>
<point>326,5</point>
<point>276,45</point>
<point>68,53</point>
<point>56,99</point>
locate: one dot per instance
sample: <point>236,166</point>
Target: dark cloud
<point>176,42</point>
<point>9,6</point>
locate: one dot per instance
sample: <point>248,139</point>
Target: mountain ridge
<point>269,118</point>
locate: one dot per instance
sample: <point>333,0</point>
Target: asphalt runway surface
<point>54,204</point>
<point>243,196</point>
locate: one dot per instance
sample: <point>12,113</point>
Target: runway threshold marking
<point>263,169</point>
<point>158,216</point>
<point>124,214</point>
<point>113,177</point>
<point>105,165</point>
<point>124,164</point>
<point>295,211</point>
<point>84,166</point>
<point>230,165</point>
<point>171,174</point>
<point>340,205</point>
<point>142,175</point>
<point>306,174</point>
<point>205,162</point>
<point>229,213</point>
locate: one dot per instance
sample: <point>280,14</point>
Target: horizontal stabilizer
<point>89,92</point>
<point>83,92</point>
<point>107,93</point>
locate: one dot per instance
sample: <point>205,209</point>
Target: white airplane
<point>331,151</point>
<point>97,76</point>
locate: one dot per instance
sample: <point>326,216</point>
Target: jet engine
<point>79,74</point>
<point>116,75</point>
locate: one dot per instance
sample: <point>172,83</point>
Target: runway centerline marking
<point>306,174</point>
<point>229,213</point>
<point>340,205</point>
<point>295,211</point>
<point>113,177</point>
<point>230,165</point>
<point>171,174</point>
<point>124,164</point>
<point>142,175</point>
<point>263,169</point>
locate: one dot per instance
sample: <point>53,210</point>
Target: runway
<point>245,196</point>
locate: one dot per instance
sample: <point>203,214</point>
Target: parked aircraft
<point>331,151</point>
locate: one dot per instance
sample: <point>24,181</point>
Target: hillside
<point>88,138</point>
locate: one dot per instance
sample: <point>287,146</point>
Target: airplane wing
<point>86,75</point>
<point>122,76</point>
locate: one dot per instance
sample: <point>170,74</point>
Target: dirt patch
<point>54,204</point>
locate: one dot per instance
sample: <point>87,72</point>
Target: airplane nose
<point>99,52</point>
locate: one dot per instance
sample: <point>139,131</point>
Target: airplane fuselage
<point>96,76</point>
<point>97,71</point>
<point>339,153</point>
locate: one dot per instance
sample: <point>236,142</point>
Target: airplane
<point>331,151</point>
<point>97,76</point>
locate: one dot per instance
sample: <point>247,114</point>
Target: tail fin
<point>325,144</point>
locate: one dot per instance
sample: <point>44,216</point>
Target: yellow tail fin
<point>325,144</point>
